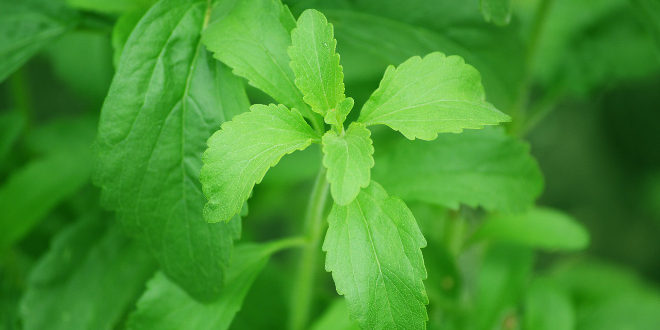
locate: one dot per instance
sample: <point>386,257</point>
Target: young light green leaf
<point>496,11</point>
<point>424,97</point>
<point>259,34</point>
<point>373,251</point>
<point>537,228</point>
<point>319,76</point>
<point>166,99</point>
<point>242,151</point>
<point>548,307</point>
<point>28,25</point>
<point>338,115</point>
<point>90,259</point>
<point>335,318</point>
<point>478,168</point>
<point>349,159</point>
<point>32,191</point>
<point>166,306</point>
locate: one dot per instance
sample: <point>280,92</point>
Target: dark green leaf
<point>88,279</point>
<point>166,99</point>
<point>111,6</point>
<point>32,191</point>
<point>166,306</point>
<point>478,168</point>
<point>28,25</point>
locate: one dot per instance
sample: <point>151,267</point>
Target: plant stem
<point>518,112</point>
<point>302,291</point>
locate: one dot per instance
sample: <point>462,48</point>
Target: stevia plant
<point>419,211</point>
<point>372,241</point>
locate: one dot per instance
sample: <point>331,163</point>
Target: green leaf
<point>478,168</point>
<point>166,99</point>
<point>242,151</point>
<point>424,97</point>
<point>537,228</point>
<point>337,116</point>
<point>34,190</point>
<point>12,124</point>
<point>259,34</point>
<point>349,159</point>
<point>366,54</point>
<point>575,50</point>
<point>373,251</point>
<point>500,284</point>
<point>111,6</point>
<point>166,306</point>
<point>335,317</point>
<point>26,26</point>
<point>496,11</point>
<point>315,63</point>
<point>122,30</point>
<point>548,307</point>
<point>650,11</point>
<point>88,279</point>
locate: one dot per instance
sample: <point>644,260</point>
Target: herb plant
<point>395,176</point>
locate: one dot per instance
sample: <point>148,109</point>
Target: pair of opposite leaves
<point>420,98</point>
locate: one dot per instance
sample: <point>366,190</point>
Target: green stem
<point>301,299</point>
<point>518,112</point>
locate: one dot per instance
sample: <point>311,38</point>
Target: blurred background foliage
<point>580,78</point>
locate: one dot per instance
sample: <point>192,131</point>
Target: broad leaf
<point>166,306</point>
<point>28,25</point>
<point>88,279</point>
<point>496,11</point>
<point>424,97</point>
<point>319,76</point>
<point>349,159</point>
<point>35,189</point>
<point>253,39</point>
<point>240,154</point>
<point>166,99</point>
<point>537,228</point>
<point>478,168</point>
<point>373,251</point>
